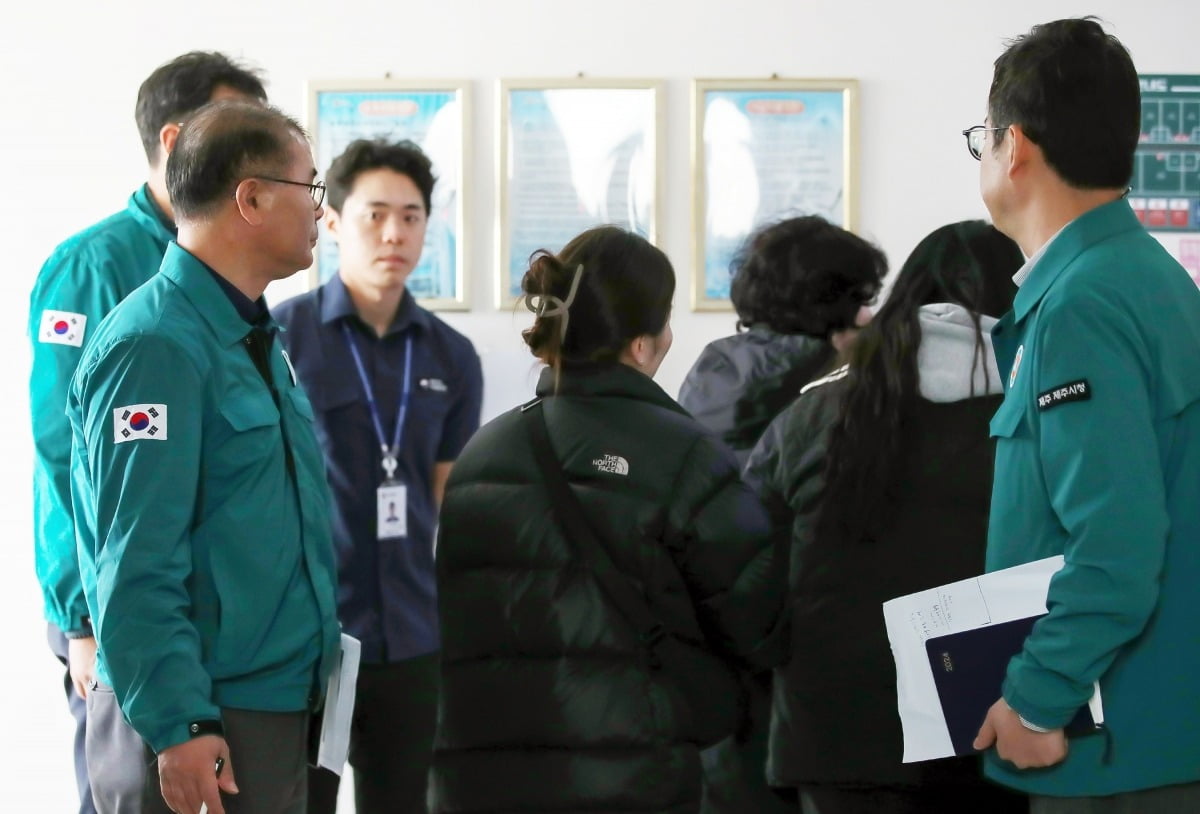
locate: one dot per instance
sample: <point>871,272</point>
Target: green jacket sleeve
<point>145,493</point>
<point>73,281</point>
<point>1100,463</point>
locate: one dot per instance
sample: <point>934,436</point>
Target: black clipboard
<point>968,671</point>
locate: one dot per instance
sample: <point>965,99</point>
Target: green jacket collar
<point>1081,234</point>
<point>605,379</point>
<point>204,293</point>
<point>145,211</point>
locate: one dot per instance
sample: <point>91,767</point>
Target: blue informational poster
<point>768,154</point>
<point>576,157</point>
<point>433,119</point>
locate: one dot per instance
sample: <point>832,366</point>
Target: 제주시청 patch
<point>1063,394</point>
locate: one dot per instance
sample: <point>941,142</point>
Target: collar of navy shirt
<point>336,304</point>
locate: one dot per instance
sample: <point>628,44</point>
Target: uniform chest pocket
<point>432,395</point>
<point>252,433</point>
<point>1010,421</point>
<point>300,403</point>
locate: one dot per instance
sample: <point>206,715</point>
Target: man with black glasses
<point>198,482</point>
<point>79,284</point>
<point>1098,439</point>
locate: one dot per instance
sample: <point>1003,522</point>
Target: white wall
<point>71,70</point>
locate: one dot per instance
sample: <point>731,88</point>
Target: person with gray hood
<point>883,472</point>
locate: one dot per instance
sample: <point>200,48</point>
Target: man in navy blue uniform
<point>397,393</point>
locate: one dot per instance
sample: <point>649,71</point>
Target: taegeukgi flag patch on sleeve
<point>138,421</point>
<point>62,328</point>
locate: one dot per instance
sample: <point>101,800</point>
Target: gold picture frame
<point>765,149</point>
<point>571,154</point>
<point>436,115</point>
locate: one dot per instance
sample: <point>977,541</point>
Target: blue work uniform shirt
<point>387,596</point>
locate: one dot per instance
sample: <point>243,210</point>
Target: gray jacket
<point>741,382</point>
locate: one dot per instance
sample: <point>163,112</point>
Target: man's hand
<point>187,774</point>
<point>1025,748</point>
<point>81,661</point>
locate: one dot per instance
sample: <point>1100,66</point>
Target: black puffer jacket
<point>833,719</point>
<point>740,383</point>
<point>548,703</point>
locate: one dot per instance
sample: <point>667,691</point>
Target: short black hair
<point>805,276</point>
<point>1074,91</point>
<point>185,84</point>
<point>220,145</point>
<point>403,157</point>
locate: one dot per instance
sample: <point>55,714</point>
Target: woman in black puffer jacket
<point>550,701</point>
<point>883,469</point>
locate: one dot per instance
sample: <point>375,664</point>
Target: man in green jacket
<point>79,284</point>
<point>1098,439</point>
<point>198,484</point>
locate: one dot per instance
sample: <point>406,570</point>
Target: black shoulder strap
<point>579,533</point>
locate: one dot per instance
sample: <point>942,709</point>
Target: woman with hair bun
<point>584,669</point>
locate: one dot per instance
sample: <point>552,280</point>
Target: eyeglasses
<point>975,139</point>
<point>317,190</point>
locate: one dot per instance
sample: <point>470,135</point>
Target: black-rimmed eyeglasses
<point>317,190</point>
<point>975,139</point>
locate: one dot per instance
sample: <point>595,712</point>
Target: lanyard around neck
<point>389,454</point>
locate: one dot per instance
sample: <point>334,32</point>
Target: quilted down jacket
<point>549,702</point>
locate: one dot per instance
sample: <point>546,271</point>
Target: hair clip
<point>548,305</point>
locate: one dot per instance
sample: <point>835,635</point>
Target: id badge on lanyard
<point>391,496</point>
<point>391,508</point>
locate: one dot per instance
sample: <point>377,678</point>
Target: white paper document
<point>339,707</point>
<point>1001,596</point>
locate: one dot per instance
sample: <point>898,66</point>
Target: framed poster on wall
<point>573,154</point>
<point>763,150</point>
<point>434,115</point>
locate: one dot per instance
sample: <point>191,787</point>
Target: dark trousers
<point>269,754</point>
<point>58,646</point>
<point>1162,800</point>
<point>391,740</point>
<point>985,798</point>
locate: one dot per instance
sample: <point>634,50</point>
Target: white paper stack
<point>339,708</point>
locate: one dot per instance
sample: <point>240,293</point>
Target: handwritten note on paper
<point>961,602</point>
<point>1001,596</point>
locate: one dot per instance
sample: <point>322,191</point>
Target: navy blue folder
<point>968,670</point>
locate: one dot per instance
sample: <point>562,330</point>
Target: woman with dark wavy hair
<point>882,470</point>
<point>800,288</point>
<point>554,697</point>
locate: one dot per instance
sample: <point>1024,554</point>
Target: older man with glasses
<point>200,487</point>
<point>79,284</point>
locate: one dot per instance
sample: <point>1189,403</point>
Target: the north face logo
<point>612,464</point>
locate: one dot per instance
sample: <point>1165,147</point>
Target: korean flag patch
<point>140,421</point>
<point>62,328</point>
